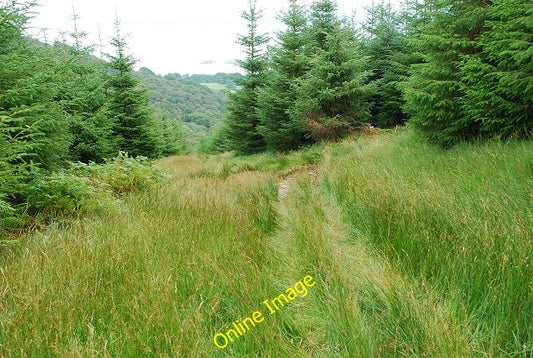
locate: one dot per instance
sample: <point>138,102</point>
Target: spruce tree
<point>242,119</point>
<point>499,79</point>
<point>323,22</point>
<point>436,89</point>
<point>389,58</point>
<point>30,115</point>
<point>416,14</point>
<point>34,134</point>
<point>332,96</point>
<point>82,95</point>
<point>280,127</point>
<point>170,134</point>
<point>129,108</point>
<point>11,149</point>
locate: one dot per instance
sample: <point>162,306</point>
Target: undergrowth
<point>77,191</point>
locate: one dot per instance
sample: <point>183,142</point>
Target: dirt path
<point>309,170</point>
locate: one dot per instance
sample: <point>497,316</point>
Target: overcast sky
<point>169,36</point>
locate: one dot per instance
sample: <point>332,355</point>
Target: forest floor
<point>381,246</point>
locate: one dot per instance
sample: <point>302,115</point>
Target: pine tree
<point>389,58</point>
<point>129,108</point>
<point>332,96</point>
<point>242,119</point>
<point>280,127</point>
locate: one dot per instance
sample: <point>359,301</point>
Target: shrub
<point>82,189</point>
<point>123,174</point>
<point>60,194</point>
<point>7,215</point>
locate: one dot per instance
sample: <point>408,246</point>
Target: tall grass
<point>414,251</point>
<point>460,222</point>
<point>159,276</point>
<point>361,307</point>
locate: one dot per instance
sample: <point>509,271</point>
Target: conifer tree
<point>242,118</point>
<point>31,116</point>
<point>13,148</point>
<point>499,79</point>
<point>129,108</point>
<point>389,58</point>
<point>436,87</point>
<point>332,96</point>
<point>170,134</point>
<point>416,14</point>
<point>280,127</point>
<point>34,134</point>
<point>83,97</point>
<point>323,22</point>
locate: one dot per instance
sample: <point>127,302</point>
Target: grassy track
<point>460,223</point>
<point>415,252</point>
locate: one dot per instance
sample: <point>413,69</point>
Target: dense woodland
<point>453,71</point>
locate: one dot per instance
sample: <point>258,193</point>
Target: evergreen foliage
<point>499,79</point>
<point>82,95</point>
<point>242,115</point>
<point>59,105</point>
<point>281,129</point>
<point>170,134</point>
<point>332,96</point>
<point>33,128</point>
<point>475,81</point>
<point>133,123</point>
<point>30,112</point>
<point>435,87</point>
<point>388,57</point>
<point>323,20</point>
<point>459,70</point>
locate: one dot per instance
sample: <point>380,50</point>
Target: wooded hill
<point>183,98</point>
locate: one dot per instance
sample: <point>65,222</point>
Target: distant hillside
<point>219,81</point>
<point>199,106</point>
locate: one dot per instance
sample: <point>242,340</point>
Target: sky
<point>168,36</point>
